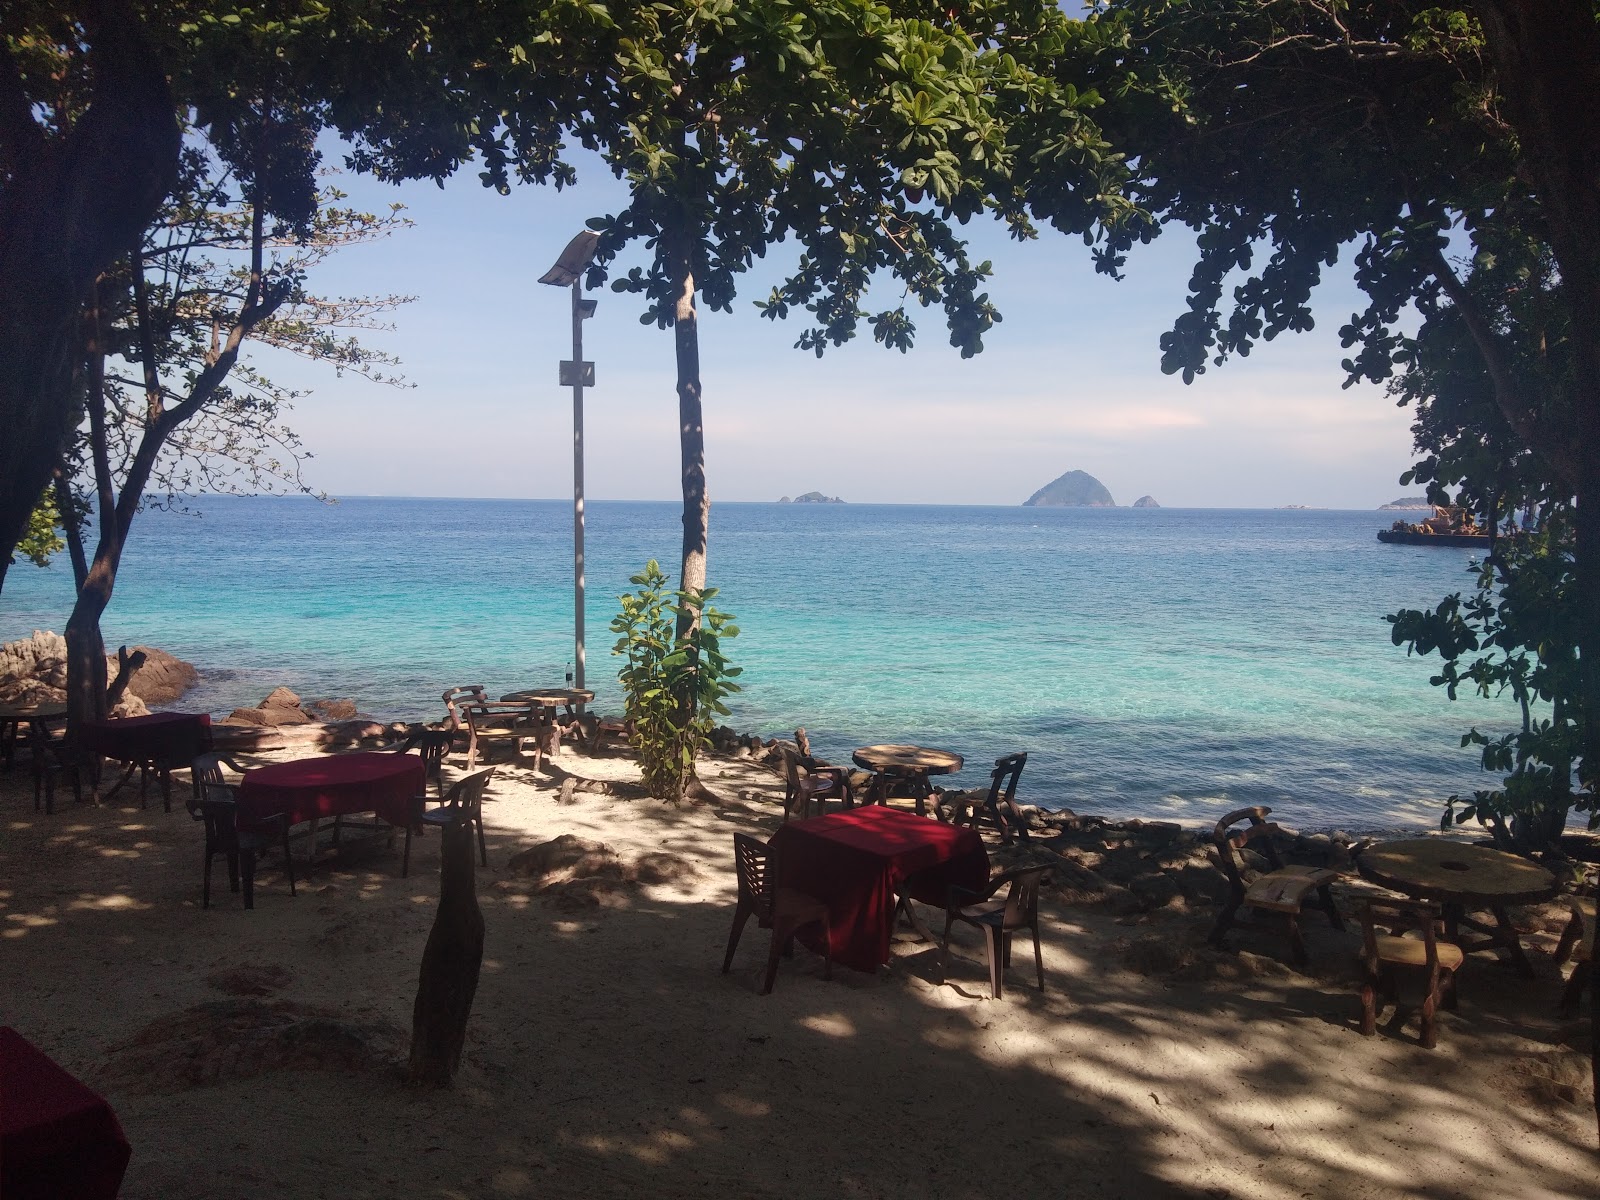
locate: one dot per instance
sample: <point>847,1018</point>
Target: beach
<point>259,1053</point>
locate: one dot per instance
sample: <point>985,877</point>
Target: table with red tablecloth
<point>853,861</point>
<point>57,1138</point>
<point>157,741</point>
<point>334,785</point>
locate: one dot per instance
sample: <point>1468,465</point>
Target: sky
<point>1070,380</point>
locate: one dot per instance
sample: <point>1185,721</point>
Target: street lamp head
<point>574,260</point>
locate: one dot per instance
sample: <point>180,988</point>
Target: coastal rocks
<point>811,498</point>
<point>281,707</point>
<point>334,710</point>
<point>33,670</point>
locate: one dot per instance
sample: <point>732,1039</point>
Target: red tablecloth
<point>163,739</point>
<point>853,860</point>
<point>382,783</point>
<point>57,1138</point>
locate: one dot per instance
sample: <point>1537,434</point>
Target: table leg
<point>117,786</point>
<point>1511,942</point>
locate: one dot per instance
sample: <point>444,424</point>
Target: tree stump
<point>450,964</point>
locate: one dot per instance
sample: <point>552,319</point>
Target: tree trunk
<point>86,647</point>
<point>450,965</point>
<point>71,204</point>
<point>691,429</point>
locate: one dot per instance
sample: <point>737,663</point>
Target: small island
<point>1075,489</point>
<point>810,498</point>
<point>1146,502</point>
<point>1406,502</point>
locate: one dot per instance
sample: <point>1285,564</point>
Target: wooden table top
<point>46,711</point>
<point>1439,869</point>
<point>567,696</point>
<point>908,759</point>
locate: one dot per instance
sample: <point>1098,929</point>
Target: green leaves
<point>673,687</point>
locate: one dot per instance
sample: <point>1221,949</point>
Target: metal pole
<point>577,474</point>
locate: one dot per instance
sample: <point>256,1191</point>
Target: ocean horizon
<point>1162,663</point>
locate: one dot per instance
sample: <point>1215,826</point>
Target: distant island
<point>811,498</point>
<point>1146,502</point>
<point>1075,489</point>
<point>1405,502</point>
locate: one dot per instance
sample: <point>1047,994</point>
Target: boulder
<point>280,697</point>
<point>33,670</point>
<point>161,680</point>
<point>247,716</point>
<point>334,710</point>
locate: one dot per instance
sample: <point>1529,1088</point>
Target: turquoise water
<point>1169,662</point>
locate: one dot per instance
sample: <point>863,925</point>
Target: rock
<point>247,716</point>
<point>161,680</point>
<point>1146,502</point>
<point>333,710</point>
<point>280,697</point>
<point>1201,884</point>
<point>1158,834</point>
<point>567,858</point>
<point>1156,890</point>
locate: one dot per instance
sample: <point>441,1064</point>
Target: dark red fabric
<point>164,739</point>
<point>852,862</point>
<point>57,1138</point>
<point>374,782</point>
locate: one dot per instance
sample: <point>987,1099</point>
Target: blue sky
<point>1070,380</point>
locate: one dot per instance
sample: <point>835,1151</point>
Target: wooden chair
<point>464,802</point>
<point>491,723</point>
<point>214,803</point>
<point>999,920</point>
<point>1284,890</point>
<point>1578,942</point>
<point>805,783</point>
<point>1389,960</point>
<point>1000,809</point>
<point>782,910</point>
<point>52,756</point>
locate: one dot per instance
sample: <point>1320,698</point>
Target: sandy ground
<point>256,1053</point>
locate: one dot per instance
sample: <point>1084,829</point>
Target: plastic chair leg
<point>741,914</point>
<point>997,959</point>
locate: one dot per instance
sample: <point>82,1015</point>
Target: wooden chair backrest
<point>1007,770</point>
<point>1022,901</point>
<point>467,697</point>
<point>1404,915</point>
<point>1229,841</point>
<point>756,865</point>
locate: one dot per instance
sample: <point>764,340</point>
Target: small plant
<point>673,686</point>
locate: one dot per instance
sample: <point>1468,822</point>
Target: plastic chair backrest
<point>1022,901</point>
<point>467,794</point>
<point>754,861</point>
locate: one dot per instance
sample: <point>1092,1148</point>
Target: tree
<point>170,406</point>
<point>88,147</point>
<point>1304,126</point>
<point>861,131</point>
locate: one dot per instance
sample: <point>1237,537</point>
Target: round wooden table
<point>550,697</point>
<point>911,764</point>
<point>36,716</point>
<point>1463,878</point>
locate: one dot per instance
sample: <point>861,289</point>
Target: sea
<point>1161,663</point>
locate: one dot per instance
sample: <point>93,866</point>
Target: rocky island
<point>1075,489</point>
<point>1146,502</point>
<point>1407,503</point>
<point>810,498</point>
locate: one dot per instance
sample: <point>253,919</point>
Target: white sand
<point>608,1057</point>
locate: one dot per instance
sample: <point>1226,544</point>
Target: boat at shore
<point>1449,526</point>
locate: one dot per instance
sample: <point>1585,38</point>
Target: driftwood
<point>127,664</point>
<point>450,964</point>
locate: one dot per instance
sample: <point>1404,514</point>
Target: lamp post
<point>576,374</point>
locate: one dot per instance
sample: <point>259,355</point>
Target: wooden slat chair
<point>463,802</point>
<point>998,808</point>
<point>1390,961</point>
<point>1578,942</point>
<point>998,919</point>
<point>214,803</point>
<point>1284,890</point>
<point>806,783</point>
<point>783,910</point>
<point>488,724</point>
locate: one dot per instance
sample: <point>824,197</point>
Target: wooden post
<point>450,964</point>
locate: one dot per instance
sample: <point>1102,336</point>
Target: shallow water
<point>1169,662</point>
